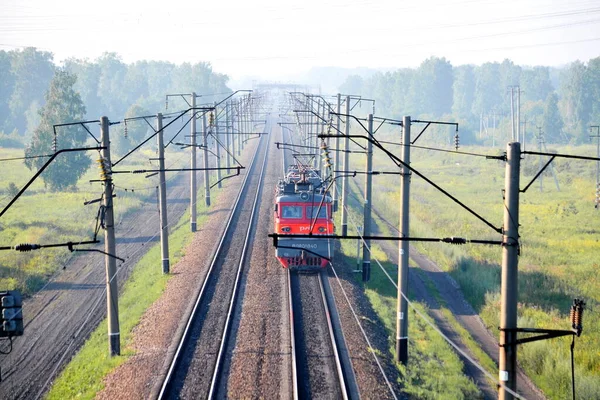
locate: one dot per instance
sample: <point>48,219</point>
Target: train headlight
<point>286,229</point>
<point>322,229</point>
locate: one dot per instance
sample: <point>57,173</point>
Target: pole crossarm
<point>144,171</point>
<point>543,334</point>
<point>82,123</point>
<point>39,172</point>
<point>559,155</point>
<point>198,109</point>
<point>449,240</point>
<point>399,162</point>
<point>538,174</point>
<point>228,176</point>
<point>429,123</point>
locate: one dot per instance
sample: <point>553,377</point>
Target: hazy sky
<point>274,38</point>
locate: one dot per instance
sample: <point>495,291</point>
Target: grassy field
<point>435,370</point>
<point>83,376</point>
<point>44,217</point>
<point>559,237</point>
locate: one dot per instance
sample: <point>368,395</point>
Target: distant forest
<point>562,102</point>
<point>107,86</point>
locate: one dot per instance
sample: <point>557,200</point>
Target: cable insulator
<point>125,129</point>
<point>455,240</point>
<point>576,315</point>
<point>456,143</point>
<point>54,144</point>
<point>23,247</point>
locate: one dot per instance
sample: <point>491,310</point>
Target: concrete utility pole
<point>112,290</point>
<point>540,144</point>
<point>509,281</point>
<point>217,147</point>
<point>345,183</point>
<point>206,174</point>
<point>228,131</point>
<point>519,138</point>
<point>337,149</point>
<point>238,107</point>
<point>368,199</point>
<point>193,188</point>
<point>403,257</point>
<point>512,114</point>
<point>162,197</point>
<point>597,136</point>
<point>524,133</point>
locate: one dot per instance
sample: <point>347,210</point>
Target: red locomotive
<point>303,206</point>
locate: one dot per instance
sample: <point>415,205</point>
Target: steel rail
<point>334,343</point>
<point>296,369</point>
<point>166,385</point>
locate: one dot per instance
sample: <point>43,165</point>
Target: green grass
<point>435,371</point>
<point>560,243</point>
<point>83,376</point>
<point>41,216</point>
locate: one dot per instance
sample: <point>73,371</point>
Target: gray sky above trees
<point>272,39</point>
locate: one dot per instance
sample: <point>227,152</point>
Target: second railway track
<point>321,364</point>
<point>194,371</point>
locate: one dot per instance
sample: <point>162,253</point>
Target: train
<point>303,206</point>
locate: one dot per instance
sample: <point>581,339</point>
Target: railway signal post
<point>112,290</point>
<point>403,256</point>
<point>162,197</point>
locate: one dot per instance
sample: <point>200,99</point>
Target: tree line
<point>562,102</point>
<point>36,94</point>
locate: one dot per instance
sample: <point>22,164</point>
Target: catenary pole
<point>403,256</point>
<point>337,149</point>
<point>509,280</point>
<point>366,273</point>
<point>228,132</point>
<point>193,188</point>
<point>206,172</point>
<point>162,197</point>
<point>345,182</point>
<point>217,146</point>
<point>112,290</point>
<point>238,109</point>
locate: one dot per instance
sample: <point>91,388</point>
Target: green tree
<point>488,89</point>
<point>552,122</point>
<point>536,84</point>
<point>63,105</point>
<point>137,131</point>
<point>575,99</point>
<point>33,71</point>
<point>431,89</point>
<point>464,91</point>
<point>7,82</point>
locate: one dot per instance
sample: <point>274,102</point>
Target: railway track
<point>321,365</point>
<point>195,368</point>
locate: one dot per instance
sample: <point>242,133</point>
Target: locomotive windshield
<point>312,211</point>
<point>291,211</point>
